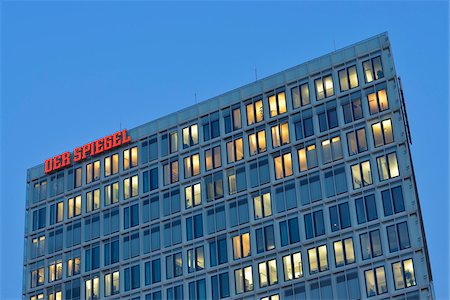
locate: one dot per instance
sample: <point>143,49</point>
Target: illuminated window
<point>241,245</point>
<point>74,207</point>
<point>324,87</point>
<point>403,272</point>
<point>292,266</point>
<point>170,170</point>
<point>255,112</point>
<point>237,181</point>
<point>73,266</point>
<point>348,78</point>
<point>356,141</point>
<point>235,150</point>
<point>331,149</point>
<point>78,177</point>
<point>398,237</point>
<point>212,158</point>
<point>318,260</point>
<point>55,271</point>
<point>268,273</point>
<point>195,259</point>
<point>243,280</point>
<point>190,136</point>
<point>111,194</point>
<point>53,295</point>
<point>271,297</point>
<point>280,135</point>
<point>378,101</point>
<point>375,282</point>
<point>370,244</point>
<point>283,165</point>
<point>92,287</point>
<point>37,246</point>
<point>191,165</point>
<point>277,104</point>
<point>373,70</point>
<point>130,187</point>
<point>112,283</point>
<point>93,171</point>
<point>192,195</point>
<point>327,115</point>
<point>257,142</point>
<point>262,206</point>
<point>232,119</point>
<point>111,165</point>
<point>92,200</point>
<point>41,296</point>
<point>361,175</point>
<point>307,158</point>
<point>352,108</point>
<point>344,253</point>
<point>130,158</point>
<point>300,95</point>
<point>56,213</point>
<point>37,277</point>
<point>388,166</point>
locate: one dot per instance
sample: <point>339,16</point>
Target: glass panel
<point>410,277</point>
<point>387,131</point>
<point>382,100</point>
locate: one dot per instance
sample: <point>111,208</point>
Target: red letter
<point>116,139</point>
<point>77,154</point>
<point>65,159</point>
<point>98,146</point>
<point>86,149</point>
<point>92,149</point>
<point>107,143</point>
<point>48,165</point>
<point>125,138</point>
<point>57,162</point>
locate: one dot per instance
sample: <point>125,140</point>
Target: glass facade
<point>298,187</point>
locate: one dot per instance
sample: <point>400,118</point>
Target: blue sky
<point>72,72</point>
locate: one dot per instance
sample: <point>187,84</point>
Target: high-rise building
<point>297,186</point>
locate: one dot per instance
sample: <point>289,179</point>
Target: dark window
<point>289,231</point>
<point>218,251</point>
<point>398,237</point>
<point>265,239</point>
<point>366,209</point>
<point>340,216</point>
<point>393,201</point>
<point>314,224</point>
<point>370,244</point>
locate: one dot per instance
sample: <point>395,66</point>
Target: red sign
<point>89,150</point>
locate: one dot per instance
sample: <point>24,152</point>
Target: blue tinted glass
<point>334,219</point>
<point>308,126</point>
<point>260,240</point>
<point>264,174</point>
<point>294,231</point>
<point>291,198</point>
<point>322,122</point>
<point>344,213</point>
<point>360,213</point>
<point>308,226</point>
<point>279,199</point>
<point>153,179</point>
<point>397,194</point>
<point>318,223</point>
<point>212,253</point>
<point>222,246</point>
<point>387,203</point>
<point>284,233</point>
<point>371,208</point>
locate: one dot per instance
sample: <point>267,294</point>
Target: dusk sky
<point>77,71</point>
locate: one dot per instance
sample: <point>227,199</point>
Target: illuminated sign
<point>89,150</point>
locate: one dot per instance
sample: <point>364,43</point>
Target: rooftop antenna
<point>256,74</point>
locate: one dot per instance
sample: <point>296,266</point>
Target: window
<point>283,165</point>
<point>262,206</point>
<point>175,292</point>
<point>361,175</point>
<point>318,260</point>
<point>56,185</point>
<point>243,280</point>
<point>255,112</point>
<point>170,170</point>
<point>392,201</point>
<point>191,166</point>
<point>388,166</point>
<point>310,189</point>
<point>220,286</point>
<point>238,211</point>
<point>356,141</point>
<point>37,248</point>
<point>375,282</point>
<point>235,150</point>
<point>382,133</point>
<point>174,265</point>
<point>110,221</point>
<point>241,245</point>
<point>324,87</point>
<point>271,297</point>
<point>111,252</point>
<point>196,259</point>
<point>130,158</point>
<point>366,209</point>
<point>232,119</point>
<point>307,158</point>
<point>378,101</point>
<point>55,271</point>
<point>257,142</point>
<point>373,70</point>
<point>92,287</point>
<point>348,78</point>
<point>280,135</point>
<point>132,277</point>
<point>194,227</point>
<point>289,232</point>
<point>92,200</point>
<point>73,234</point>
<point>152,239</point>
<point>52,294</point>
<point>237,181</point>
<point>149,150</point>
<point>300,95</point>
<point>331,149</point>
<point>344,252</point>
<point>41,296</point>
<point>169,142</point>
<point>111,194</point>
<point>214,186</point>
<point>314,224</point>
<point>37,276</point>
<point>212,158</point>
<point>335,181</point>
<point>74,207</point>
<point>259,171</point>
<point>370,244</point>
<point>150,180</point>
<point>130,187</point>
<point>55,240</point>
<point>211,128</point>
<point>292,266</point>
<point>277,104</point>
<point>303,124</point>
<point>39,218</point>
<point>285,196</point>
<point>192,195</point>
<point>190,136</point>
<point>265,239</point>
<point>197,289</point>
<point>131,216</point>
<point>398,237</point>
<point>130,245</point>
<point>78,177</point>
<point>91,258</point>
<point>93,171</point>
<point>347,285</point>
<point>218,251</point>
<point>268,273</point>
<point>352,108</point>
<point>327,115</point>
<point>340,217</point>
<point>215,219</point>
<point>112,283</point>
<point>152,271</point>
<point>403,272</point>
